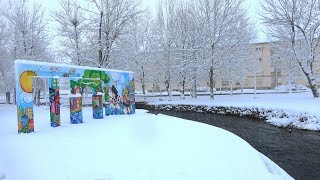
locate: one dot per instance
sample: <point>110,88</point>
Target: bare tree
<point>282,62</point>
<point>6,65</point>
<point>224,26</point>
<point>185,45</point>
<point>71,30</point>
<point>296,22</point>
<point>166,35</point>
<point>29,39</point>
<point>135,50</point>
<point>112,19</point>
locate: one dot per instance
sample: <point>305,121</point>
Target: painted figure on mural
<point>76,110</point>
<point>97,106</point>
<point>54,101</point>
<point>114,99</point>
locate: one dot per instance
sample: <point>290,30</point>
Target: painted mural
<point>116,86</point>
<point>54,99</point>
<point>97,106</point>
<point>76,110</point>
<point>120,97</point>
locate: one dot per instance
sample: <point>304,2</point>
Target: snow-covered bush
<point>205,89</point>
<point>277,117</point>
<point>293,88</point>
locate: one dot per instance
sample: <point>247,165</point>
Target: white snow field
<point>296,106</point>
<point>141,146</point>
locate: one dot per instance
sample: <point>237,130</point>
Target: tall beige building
<point>265,74</point>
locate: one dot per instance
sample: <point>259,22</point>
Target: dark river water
<point>297,152</point>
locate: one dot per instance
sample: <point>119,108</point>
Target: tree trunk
<point>231,88</point>
<point>100,40</point>
<point>241,87</point>
<point>37,97</point>
<point>194,87</point>
<point>14,96</point>
<point>8,97</point>
<point>77,45</point>
<point>313,85</point>
<point>211,83</point>
<point>170,92</point>
<point>194,82</point>
<point>183,88</point>
<point>168,87</point>
<point>143,81</point>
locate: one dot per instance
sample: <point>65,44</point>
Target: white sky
<point>251,4</point>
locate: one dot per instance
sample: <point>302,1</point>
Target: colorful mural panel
<point>97,106</point>
<point>54,98</point>
<point>76,110</point>
<point>117,86</point>
<point>120,98</point>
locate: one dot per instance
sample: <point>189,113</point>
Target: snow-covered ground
<point>140,146</point>
<point>287,109</point>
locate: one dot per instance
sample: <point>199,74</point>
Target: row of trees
<point>182,42</point>
<point>295,26</point>
<point>187,42</point>
<point>23,35</point>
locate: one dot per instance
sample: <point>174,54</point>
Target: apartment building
<point>266,74</point>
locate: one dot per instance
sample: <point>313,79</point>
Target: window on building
<point>258,48</point>
<point>238,83</point>
<point>259,81</point>
<point>225,83</point>
<point>260,58</point>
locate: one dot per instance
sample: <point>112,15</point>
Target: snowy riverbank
<point>299,110</point>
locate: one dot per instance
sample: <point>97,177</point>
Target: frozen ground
<point>140,146</point>
<point>288,109</point>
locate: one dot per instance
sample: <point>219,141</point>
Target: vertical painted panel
<point>25,115</point>
<point>54,98</point>
<point>76,110</point>
<point>24,99</point>
<point>97,109</point>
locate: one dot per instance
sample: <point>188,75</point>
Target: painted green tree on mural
<point>92,79</point>
<point>20,112</point>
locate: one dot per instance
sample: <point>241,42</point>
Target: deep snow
<point>140,146</point>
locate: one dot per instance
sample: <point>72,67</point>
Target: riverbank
<point>296,110</point>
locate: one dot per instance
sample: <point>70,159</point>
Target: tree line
<point>182,42</point>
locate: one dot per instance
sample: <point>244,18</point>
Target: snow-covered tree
<point>296,22</point>
<point>111,20</point>
<point>224,26</point>
<point>135,51</point>
<point>71,31</point>
<point>28,38</point>
<point>6,65</point>
<point>165,36</point>
<point>186,39</point>
<point>281,61</point>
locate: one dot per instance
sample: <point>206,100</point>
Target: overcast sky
<point>252,6</point>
